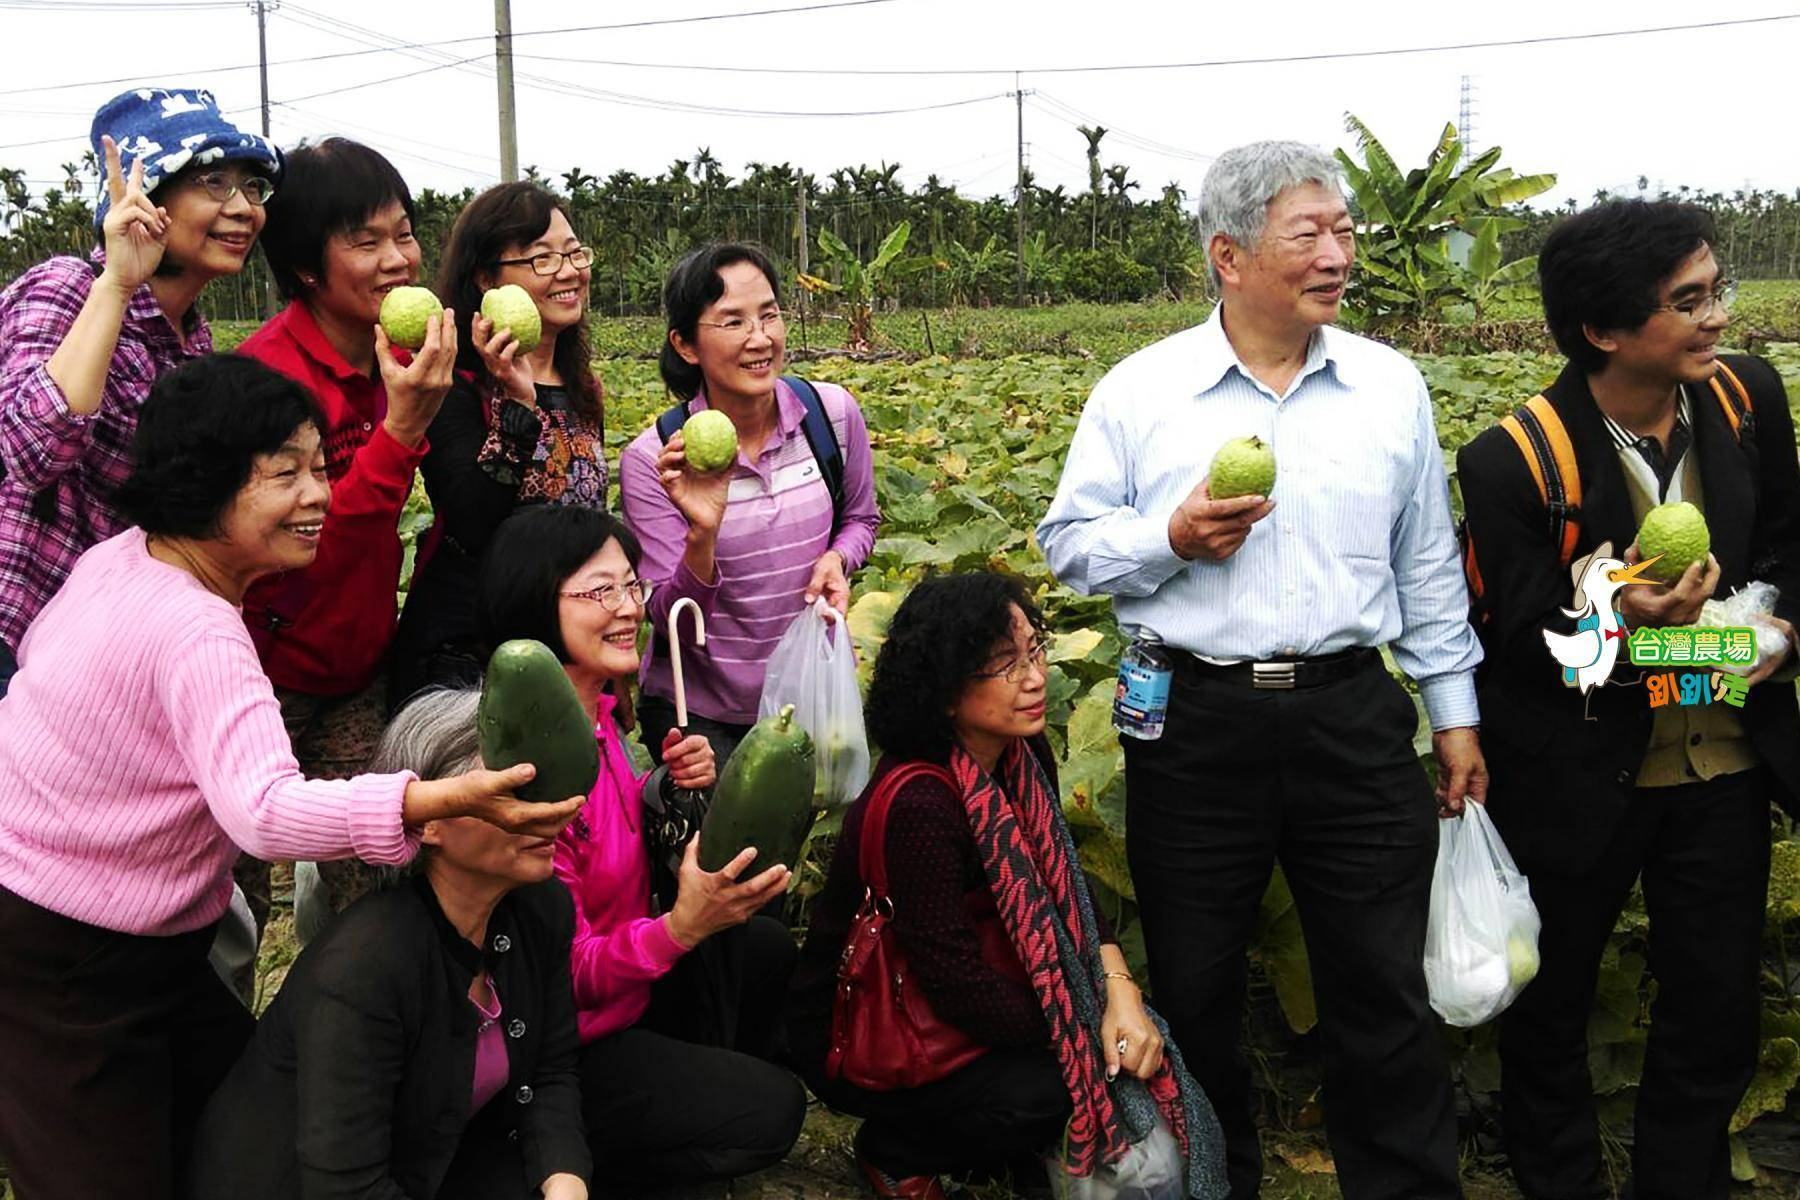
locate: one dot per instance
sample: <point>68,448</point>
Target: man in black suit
<point>1594,792</point>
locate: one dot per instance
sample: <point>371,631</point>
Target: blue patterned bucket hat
<point>169,128</point>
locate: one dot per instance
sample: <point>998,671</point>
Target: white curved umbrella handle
<point>675,651</point>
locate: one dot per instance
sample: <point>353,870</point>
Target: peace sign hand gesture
<point>135,231</point>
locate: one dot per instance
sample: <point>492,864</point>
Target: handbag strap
<point>872,846</point>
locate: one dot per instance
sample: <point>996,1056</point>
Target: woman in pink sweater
<point>678,1011</point>
<point>140,746</point>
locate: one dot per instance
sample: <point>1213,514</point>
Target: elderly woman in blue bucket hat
<point>82,339</point>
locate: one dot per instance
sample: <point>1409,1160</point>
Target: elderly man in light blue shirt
<point>1286,737</point>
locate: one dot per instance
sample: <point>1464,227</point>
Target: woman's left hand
<point>690,760</point>
<point>1128,1036</point>
<point>563,1186</point>
<point>828,581</point>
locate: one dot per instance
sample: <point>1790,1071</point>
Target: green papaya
<point>529,712</point>
<point>763,798</point>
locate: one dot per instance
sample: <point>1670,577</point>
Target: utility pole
<point>805,235</point>
<point>1019,192</point>
<point>263,7</point>
<point>503,77</point>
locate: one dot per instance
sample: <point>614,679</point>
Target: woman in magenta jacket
<point>673,1078</point>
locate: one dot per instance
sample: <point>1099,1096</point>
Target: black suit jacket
<point>358,1080</point>
<point>1563,766</point>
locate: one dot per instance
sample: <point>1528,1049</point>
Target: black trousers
<point>1325,781</point>
<point>110,1044</point>
<point>682,1095</point>
<point>1006,1107</point>
<point>1702,851</point>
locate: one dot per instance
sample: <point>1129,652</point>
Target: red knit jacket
<point>325,630</point>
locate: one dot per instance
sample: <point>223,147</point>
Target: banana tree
<point>1404,220</point>
<point>860,283</point>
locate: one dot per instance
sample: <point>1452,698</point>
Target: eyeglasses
<point>739,327</point>
<point>222,187</point>
<point>612,595</point>
<point>1699,309</point>
<point>551,261</point>
<point>1036,655</point>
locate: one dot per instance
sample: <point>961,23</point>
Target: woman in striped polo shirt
<point>781,537</point>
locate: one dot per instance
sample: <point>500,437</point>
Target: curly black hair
<point>945,631</point>
<point>198,437</point>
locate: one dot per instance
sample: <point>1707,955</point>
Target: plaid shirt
<point>60,470</point>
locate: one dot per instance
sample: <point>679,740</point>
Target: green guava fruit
<point>1678,533</point>
<point>511,307</point>
<point>1242,467</point>
<point>711,441</point>
<point>404,314</point>
<point>1521,960</point>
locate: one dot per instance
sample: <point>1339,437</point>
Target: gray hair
<point>1244,181</point>
<point>434,737</point>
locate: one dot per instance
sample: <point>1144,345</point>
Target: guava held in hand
<point>711,441</point>
<point>1242,467</point>
<point>510,307</point>
<point>405,312</point>
<point>1676,532</point>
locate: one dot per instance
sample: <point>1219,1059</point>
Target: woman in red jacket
<point>339,239</point>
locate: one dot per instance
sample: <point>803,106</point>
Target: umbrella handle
<point>675,651</point>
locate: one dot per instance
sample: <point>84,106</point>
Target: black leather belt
<point>1282,674</point>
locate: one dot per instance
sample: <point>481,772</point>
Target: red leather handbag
<point>884,1035</point>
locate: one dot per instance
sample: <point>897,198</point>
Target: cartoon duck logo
<point>1587,655</point>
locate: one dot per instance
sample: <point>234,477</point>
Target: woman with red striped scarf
<point>1069,1056</point>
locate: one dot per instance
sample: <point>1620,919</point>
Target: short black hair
<point>327,188</point>
<point>531,556</point>
<point>508,215</point>
<point>199,434</point>
<point>943,633</point>
<point>694,283</point>
<point>1601,268</point>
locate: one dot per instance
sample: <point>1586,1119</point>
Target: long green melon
<point>764,797</point>
<point>529,712</point>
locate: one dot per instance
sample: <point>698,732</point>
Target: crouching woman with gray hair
<point>425,1044</point>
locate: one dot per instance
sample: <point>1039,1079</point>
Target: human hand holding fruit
<point>709,901</point>
<point>415,391</point>
<point>505,361</point>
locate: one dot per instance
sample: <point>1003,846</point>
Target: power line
<point>1199,64</point>
<point>483,37</point>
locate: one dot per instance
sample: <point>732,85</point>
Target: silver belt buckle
<point>1269,675</point>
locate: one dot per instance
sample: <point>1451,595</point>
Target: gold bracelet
<point>1125,975</point>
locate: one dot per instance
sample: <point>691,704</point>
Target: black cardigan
<point>358,1080</point>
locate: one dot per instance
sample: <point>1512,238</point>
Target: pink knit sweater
<point>140,740</point>
<point>620,949</point>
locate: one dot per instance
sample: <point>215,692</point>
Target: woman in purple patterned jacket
<point>82,340</point>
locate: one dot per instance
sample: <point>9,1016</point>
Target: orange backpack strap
<point>1544,443</point>
<point>1734,399</point>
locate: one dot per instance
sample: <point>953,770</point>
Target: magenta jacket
<point>619,948</point>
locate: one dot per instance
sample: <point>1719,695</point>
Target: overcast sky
<point>1702,107</point>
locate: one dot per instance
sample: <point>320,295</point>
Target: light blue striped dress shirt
<point>1359,550</point>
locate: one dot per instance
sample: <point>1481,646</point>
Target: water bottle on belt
<point>1141,704</point>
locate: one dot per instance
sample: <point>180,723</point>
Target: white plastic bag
<point>1152,1169</point>
<point>1750,606</point>
<point>813,668</point>
<point>1481,942</point>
